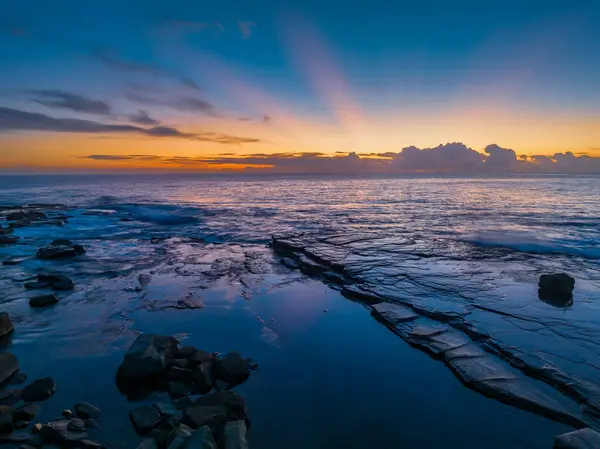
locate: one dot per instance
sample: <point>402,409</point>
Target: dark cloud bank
<point>450,158</point>
<point>16,120</point>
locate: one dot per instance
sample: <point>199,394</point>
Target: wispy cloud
<point>16,120</point>
<point>68,100</point>
<point>142,118</point>
<point>246,28</point>
<point>189,104</point>
<point>113,60</point>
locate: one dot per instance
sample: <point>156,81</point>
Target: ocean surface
<point>330,375</point>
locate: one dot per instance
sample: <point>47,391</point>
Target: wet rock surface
<point>39,390</point>
<point>580,439</point>
<point>148,356</point>
<point>60,249</point>
<point>6,326</point>
<point>451,306</point>
<point>43,300</point>
<point>9,364</point>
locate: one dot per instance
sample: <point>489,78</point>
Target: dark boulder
<point>17,379</point>
<point>29,215</point>
<point>235,435</point>
<point>76,425</point>
<point>91,423</point>
<point>181,375</point>
<point>148,356</point>
<point>27,412</point>
<point>10,397</point>
<point>580,439</point>
<point>85,410</point>
<point>57,281</point>
<point>39,390</point>
<point>9,364</point>
<point>213,416</point>
<point>36,285</point>
<point>6,419</point>
<point>201,356</point>
<point>145,418</point>
<point>232,368</point>
<point>201,439</point>
<point>58,433</point>
<point>148,443</point>
<point>185,352</point>
<point>8,239</point>
<point>561,284</point>
<point>178,389</point>
<point>60,249</point>
<point>6,326</point>
<point>43,300</point>
<point>204,378</point>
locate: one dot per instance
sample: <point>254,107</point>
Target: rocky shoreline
<point>204,411</point>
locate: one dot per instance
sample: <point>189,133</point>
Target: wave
<point>536,245</point>
<point>160,214</point>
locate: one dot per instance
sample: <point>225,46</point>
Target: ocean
<point>465,253</point>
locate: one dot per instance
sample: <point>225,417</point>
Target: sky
<point>300,86</point>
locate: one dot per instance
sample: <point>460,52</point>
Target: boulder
<point>85,444</point>
<point>185,352</point>
<point>201,356</point>
<point>145,418</point>
<point>8,239</point>
<point>39,390</point>
<point>43,300</point>
<point>6,419</point>
<point>214,417</point>
<point>204,378</point>
<point>60,249</point>
<point>27,412</point>
<point>9,364</point>
<point>58,433</point>
<point>17,379</point>
<point>580,439</point>
<point>30,215</point>
<point>235,435</point>
<point>148,356</point>
<point>148,443</point>
<point>201,439</point>
<point>6,326</point>
<point>10,397</point>
<point>180,375</point>
<point>232,368</point>
<point>178,389</point>
<point>57,281</point>
<point>76,425</point>
<point>16,437</point>
<point>560,284</point>
<point>181,404</point>
<point>86,410</point>
<point>36,285</point>
<point>90,423</point>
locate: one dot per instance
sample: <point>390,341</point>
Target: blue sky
<point>348,66</point>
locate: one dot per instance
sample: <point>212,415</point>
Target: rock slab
<point>9,364</point>
<point>148,356</point>
<point>6,326</point>
<point>580,439</point>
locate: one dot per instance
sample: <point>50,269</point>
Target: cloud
<point>142,118</point>
<point>112,60</point>
<point>67,100</point>
<point>188,104</point>
<point>246,29</point>
<point>448,158</point>
<point>16,120</point>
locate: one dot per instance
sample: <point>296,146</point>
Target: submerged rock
<point>39,390</point>
<point>57,281</point>
<point>235,435</point>
<point>8,239</point>
<point>232,368</point>
<point>9,364</point>
<point>27,412</point>
<point>6,326</point>
<point>201,439</point>
<point>204,378</point>
<point>58,433</point>
<point>60,249</point>
<point>560,284</point>
<point>145,418</point>
<point>36,285</point>
<point>148,356</point>
<point>17,379</point>
<point>580,439</point>
<point>86,410</point>
<point>43,300</point>
<point>6,419</point>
